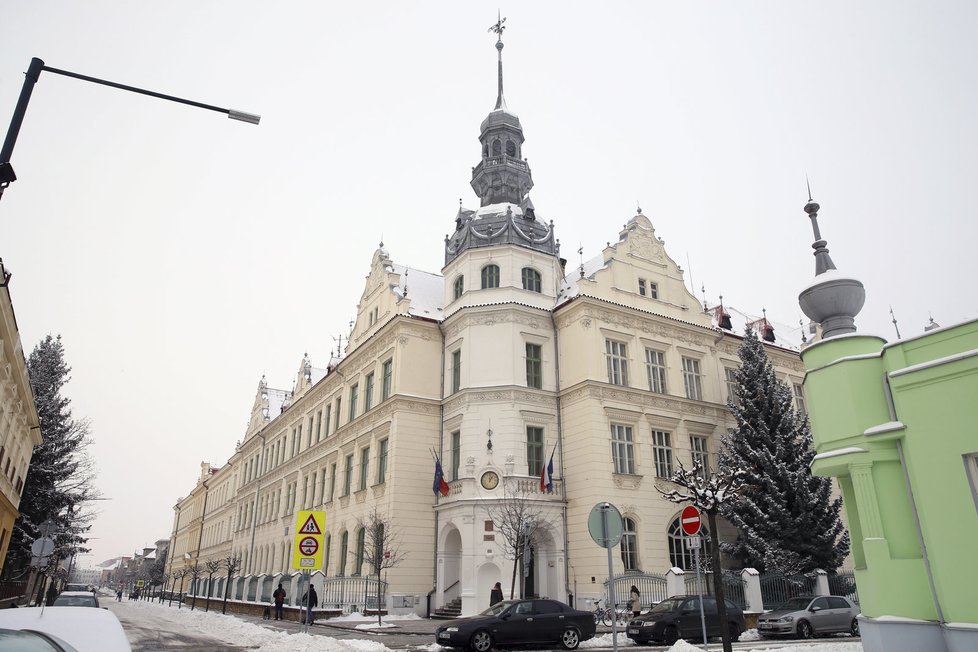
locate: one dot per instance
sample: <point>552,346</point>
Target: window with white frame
<point>641,286</point>
<point>354,397</point>
<point>456,370</point>
<point>382,462</point>
<point>622,448</point>
<point>653,290</point>
<point>662,452</point>
<point>629,545</point>
<point>655,364</point>
<point>458,287</point>
<point>616,354</point>
<point>534,450</point>
<point>700,453</point>
<point>348,475</point>
<point>534,365</point>
<point>490,276</point>
<point>800,399</point>
<point>531,279</point>
<point>364,466</point>
<point>730,379</point>
<point>387,373</point>
<point>456,453</point>
<point>368,392</point>
<point>692,380</point>
<point>679,555</point>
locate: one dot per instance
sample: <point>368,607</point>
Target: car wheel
<point>570,639</point>
<point>805,629</point>
<point>734,631</point>
<point>670,636</point>
<point>854,627</point>
<point>481,641</point>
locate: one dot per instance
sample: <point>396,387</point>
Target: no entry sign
<point>690,520</point>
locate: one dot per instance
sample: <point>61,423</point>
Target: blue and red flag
<point>439,486</point>
<point>547,475</point>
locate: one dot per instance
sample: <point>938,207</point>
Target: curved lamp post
<point>7,175</point>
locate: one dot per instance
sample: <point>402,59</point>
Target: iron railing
<point>734,586</point>
<point>651,587</point>
<point>776,589</point>
<point>844,583</point>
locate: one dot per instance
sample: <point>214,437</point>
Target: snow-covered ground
<point>235,631</point>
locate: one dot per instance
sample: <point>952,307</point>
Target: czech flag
<point>439,486</point>
<point>547,476</point>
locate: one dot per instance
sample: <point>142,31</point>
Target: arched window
<point>490,276</point>
<point>358,562</point>
<point>679,556</point>
<point>531,279</point>
<point>344,546</point>
<point>485,150</point>
<point>510,148</point>
<point>497,148</point>
<point>458,287</point>
<point>629,545</point>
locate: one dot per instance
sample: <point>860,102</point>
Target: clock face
<point>490,480</point>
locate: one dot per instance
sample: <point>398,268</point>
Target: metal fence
<point>352,593</point>
<point>777,589</point>
<point>844,583</point>
<point>651,587</point>
<point>734,587</point>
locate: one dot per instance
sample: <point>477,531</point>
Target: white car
<point>66,629</point>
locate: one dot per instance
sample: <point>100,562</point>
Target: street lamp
<point>7,175</point>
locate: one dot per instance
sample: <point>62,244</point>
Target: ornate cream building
<point>500,361</point>
<point>20,431</point>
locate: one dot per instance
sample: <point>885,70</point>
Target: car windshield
<point>499,607</point>
<point>75,601</point>
<point>795,604</point>
<point>667,605</point>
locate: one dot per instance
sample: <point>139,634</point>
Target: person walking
<point>311,600</point>
<point>496,595</point>
<point>636,602</point>
<point>279,597</point>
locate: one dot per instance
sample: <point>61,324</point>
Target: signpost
<point>691,522</point>
<point>307,550</point>
<point>605,525</point>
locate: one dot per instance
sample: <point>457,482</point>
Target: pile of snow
<point>827,646</point>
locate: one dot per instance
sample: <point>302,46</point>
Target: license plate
<point>444,635</point>
<point>764,626</point>
<point>633,631</point>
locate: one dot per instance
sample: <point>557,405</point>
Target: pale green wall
<point>938,409</point>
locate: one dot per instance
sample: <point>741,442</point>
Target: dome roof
<point>501,118</point>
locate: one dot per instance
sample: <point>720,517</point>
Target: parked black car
<point>679,617</point>
<point>519,622</point>
<point>807,615</point>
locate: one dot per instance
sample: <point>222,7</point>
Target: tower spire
<point>498,28</point>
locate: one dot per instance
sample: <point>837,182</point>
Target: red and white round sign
<point>690,520</point>
<point>308,546</point>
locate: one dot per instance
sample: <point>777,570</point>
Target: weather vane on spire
<point>498,29</point>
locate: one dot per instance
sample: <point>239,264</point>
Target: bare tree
<point>176,575</point>
<point>518,519</point>
<point>231,564</point>
<point>381,548</point>
<point>707,492</point>
<point>195,573</point>
<point>211,566</point>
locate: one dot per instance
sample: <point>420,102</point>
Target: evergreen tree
<point>787,520</point>
<point>59,479</point>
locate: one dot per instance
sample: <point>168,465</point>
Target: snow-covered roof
<point>569,287</point>
<point>786,337</point>
<point>425,290</point>
<point>317,374</point>
<point>276,399</point>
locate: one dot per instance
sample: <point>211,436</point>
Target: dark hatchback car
<point>679,617</point>
<point>808,615</point>
<point>519,622</point>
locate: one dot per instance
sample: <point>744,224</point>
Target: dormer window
<point>458,287</point>
<point>490,276</point>
<point>510,148</point>
<point>531,279</point>
<point>648,289</point>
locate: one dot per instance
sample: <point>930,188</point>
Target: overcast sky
<point>181,255</point>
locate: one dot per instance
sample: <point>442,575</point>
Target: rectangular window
<point>368,392</point>
<point>456,370</point>
<point>691,379</point>
<point>662,452</point>
<point>456,453</point>
<point>653,290</point>
<point>655,364</point>
<point>332,480</point>
<point>534,450</point>
<point>387,372</point>
<point>319,426</point>
<point>621,448</point>
<point>327,412</point>
<point>336,421</point>
<point>730,379</point>
<point>354,397</point>
<point>364,466</point>
<point>382,462</point>
<point>534,366</point>
<point>700,453</point>
<point>309,431</point>
<point>800,399</point>
<point>348,475</point>
<point>615,352</point>
<point>641,286</point>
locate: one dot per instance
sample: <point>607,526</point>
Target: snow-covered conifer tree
<point>787,520</point>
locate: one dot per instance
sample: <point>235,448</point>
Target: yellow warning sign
<point>307,547</point>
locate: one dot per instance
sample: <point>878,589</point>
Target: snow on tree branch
<point>706,492</point>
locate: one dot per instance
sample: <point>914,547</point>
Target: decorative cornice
<point>506,315</point>
<point>642,399</point>
<point>467,397</point>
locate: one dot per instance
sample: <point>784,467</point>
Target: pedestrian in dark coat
<point>311,601</point>
<point>279,597</point>
<point>496,595</point>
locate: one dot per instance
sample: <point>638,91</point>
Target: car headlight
<point>451,629</point>
<point>786,619</point>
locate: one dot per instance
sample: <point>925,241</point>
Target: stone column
<point>752,590</point>
<point>822,583</point>
<point>675,581</point>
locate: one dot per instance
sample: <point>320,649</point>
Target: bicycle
<point>604,615</point>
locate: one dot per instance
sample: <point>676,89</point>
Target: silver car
<point>808,615</point>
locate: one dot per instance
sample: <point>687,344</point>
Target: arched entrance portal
<point>450,561</point>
